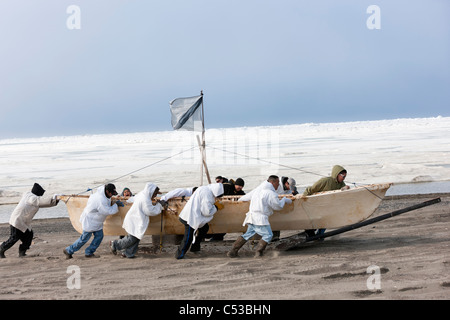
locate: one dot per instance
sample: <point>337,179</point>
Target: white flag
<point>186,113</point>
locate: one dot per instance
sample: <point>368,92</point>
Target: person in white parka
<point>196,214</point>
<point>97,209</point>
<point>178,192</point>
<point>136,221</point>
<point>264,199</point>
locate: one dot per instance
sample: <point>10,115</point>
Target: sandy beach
<point>410,252</point>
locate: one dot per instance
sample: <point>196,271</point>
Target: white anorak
<point>264,199</point>
<point>178,192</point>
<point>248,196</point>
<point>137,218</point>
<point>27,208</point>
<point>200,208</point>
<point>98,208</point>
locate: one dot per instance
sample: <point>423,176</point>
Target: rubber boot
<point>236,246</point>
<point>2,253</point>
<point>195,247</point>
<point>310,232</point>
<point>22,253</point>
<point>260,248</point>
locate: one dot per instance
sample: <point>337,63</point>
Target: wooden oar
<point>298,239</point>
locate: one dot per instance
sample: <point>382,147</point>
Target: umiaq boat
<point>332,209</point>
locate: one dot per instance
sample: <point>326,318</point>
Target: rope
<point>267,161</point>
<point>354,183</point>
<point>145,167</point>
<point>226,151</point>
<point>289,167</point>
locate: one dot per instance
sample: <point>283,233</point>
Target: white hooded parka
<point>28,206</point>
<point>97,209</point>
<point>178,192</point>
<point>264,199</point>
<point>137,218</point>
<point>200,208</point>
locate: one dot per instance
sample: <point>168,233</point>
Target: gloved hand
<point>287,200</point>
<point>120,203</point>
<point>56,197</point>
<point>164,203</point>
<point>219,205</point>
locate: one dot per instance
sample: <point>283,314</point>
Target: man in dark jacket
<point>234,189</point>
<point>334,182</point>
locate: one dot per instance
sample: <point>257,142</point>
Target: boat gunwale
<point>369,187</point>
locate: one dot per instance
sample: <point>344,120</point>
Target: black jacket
<point>230,190</point>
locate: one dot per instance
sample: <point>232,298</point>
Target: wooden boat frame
<point>330,209</point>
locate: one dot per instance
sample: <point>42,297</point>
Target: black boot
<point>195,247</point>
<point>310,232</point>
<point>2,253</point>
<point>25,244</point>
<point>201,234</point>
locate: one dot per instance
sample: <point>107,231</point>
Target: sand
<point>410,252</point>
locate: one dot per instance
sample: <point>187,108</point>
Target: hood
<point>149,189</point>
<point>216,188</point>
<point>292,184</point>
<point>267,185</point>
<point>101,192</point>
<point>335,171</point>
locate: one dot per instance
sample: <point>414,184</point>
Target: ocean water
<point>414,154</point>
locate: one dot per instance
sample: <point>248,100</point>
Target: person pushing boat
<point>98,208</point>
<point>20,221</point>
<point>196,214</point>
<point>136,221</point>
<point>264,199</point>
<point>333,182</point>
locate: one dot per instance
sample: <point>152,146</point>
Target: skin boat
<point>330,210</point>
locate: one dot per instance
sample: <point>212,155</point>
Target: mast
<point>202,146</point>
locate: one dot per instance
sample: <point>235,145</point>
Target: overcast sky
<point>258,63</point>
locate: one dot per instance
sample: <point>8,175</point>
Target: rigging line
<point>282,165</point>
<point>271,162</point>
<point>373,193</point>
<point>164,159</point>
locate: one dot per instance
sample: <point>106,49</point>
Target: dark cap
<point>239,182</point>
<point>37,190</point>
<point>111,188</point>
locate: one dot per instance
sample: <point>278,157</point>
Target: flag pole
<point>203,147</point>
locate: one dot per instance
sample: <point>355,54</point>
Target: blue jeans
<point>85,236</point>
<point>264,231</point>
<point>188,237</point>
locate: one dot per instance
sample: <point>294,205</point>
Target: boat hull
<point>332,209</point>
